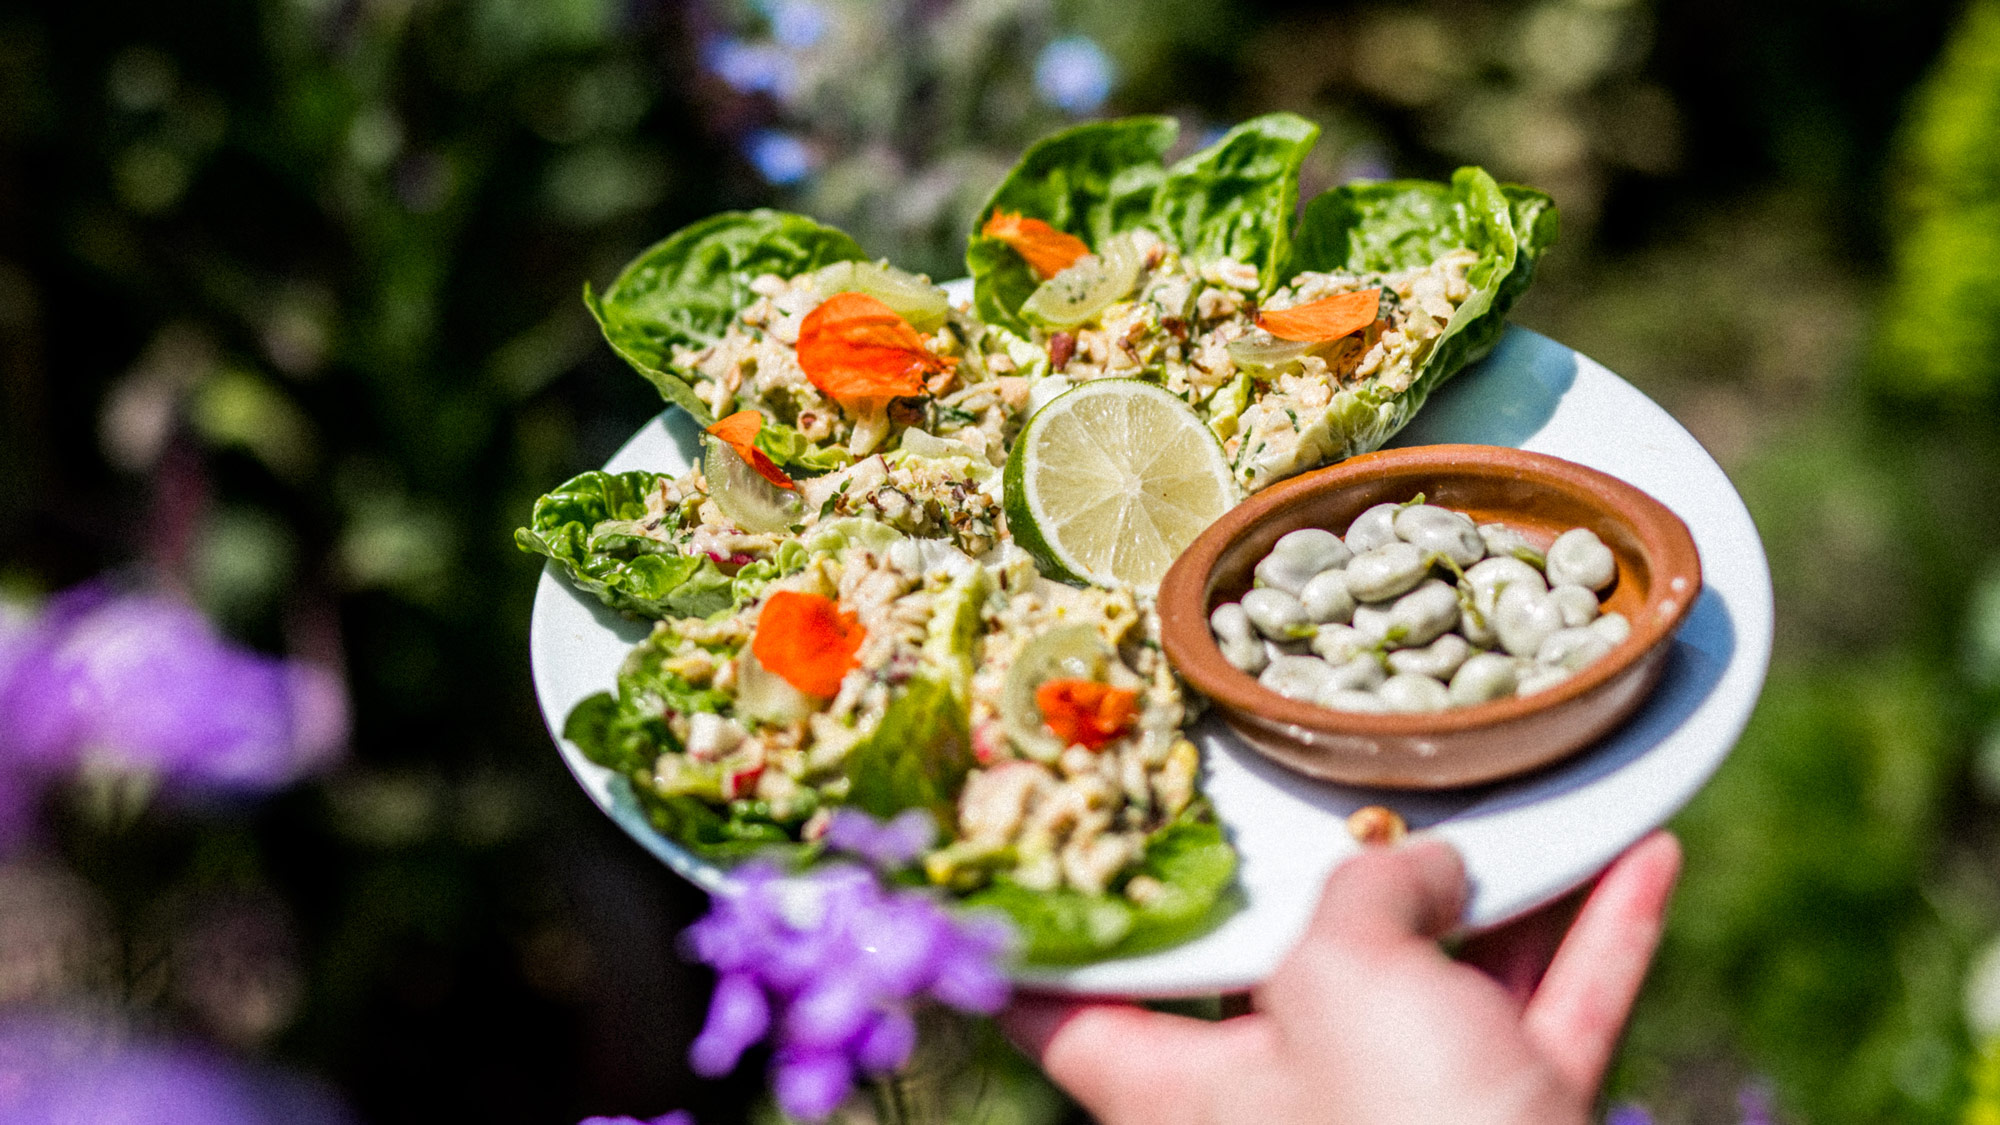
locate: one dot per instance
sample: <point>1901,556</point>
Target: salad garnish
<point>1328,318</point>
<point>739,432</point>
<point>855,349</point>
<point>1086,713</point>
<point>1048,250</point>
<point>808,640</point>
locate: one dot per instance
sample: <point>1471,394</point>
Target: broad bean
<point>1483,677</point>
<point>1612,627</point>
<point>1578,605</point>
<point>1424,614</point>
<point>1523,619</point>
<point>1386,571</point>
<point>1440,659</point>
<point>1327,598</point>
<point>1359,673</point>
<point>1299,555</point>
<point>1277,614</point>
<point>1441,531</point>
<point>1237,638</point>
<point>1541,677</point>
<point>1373,528</point>
<point>1572,648</point>
<point>1339,643</point>
<point>1297,677</point>
<point>1489,577</point>
<point>1579,556</point>
<point>1503,542</point>
<point>1407,691</point>
<point>1372,624</point>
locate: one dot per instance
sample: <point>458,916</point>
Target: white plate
<point>1525,842</point>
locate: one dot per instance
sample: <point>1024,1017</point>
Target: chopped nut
<point>1062,346</point>
<point>1375,826</point>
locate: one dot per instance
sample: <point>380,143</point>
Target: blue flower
<point>752,68</point>
<point>780,157</point>
<point>797,24</point>
<point>1074,74</point>
<point>1628,1114</point>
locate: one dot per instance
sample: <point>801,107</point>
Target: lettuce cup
<point>1038,724</point>
<point>1300,344</point>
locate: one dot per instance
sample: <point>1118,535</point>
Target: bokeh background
<point>289,323</point>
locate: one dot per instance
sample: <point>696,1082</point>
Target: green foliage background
<point>288,317</point>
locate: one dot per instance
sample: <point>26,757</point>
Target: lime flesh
<point>1112,480</point>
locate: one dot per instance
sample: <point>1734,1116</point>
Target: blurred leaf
<point>1941,333</point>
<point>238,407</point>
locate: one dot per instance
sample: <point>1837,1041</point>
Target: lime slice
<point>1076,652</point>
<point>1112,480</point>
<point>747,499</point>
<point>1093,284</point>
<point>914,298</point>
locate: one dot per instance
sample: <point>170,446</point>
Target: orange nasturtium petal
<point>1329,318</point>
<point>1085,712</point>
<point>739,432</point>
<point>808,640</point>
<point>1047,250</point>
<point>855,347</point>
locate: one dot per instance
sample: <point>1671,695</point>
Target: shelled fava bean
<point>1418,608</point>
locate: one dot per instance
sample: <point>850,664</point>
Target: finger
<point>1124,1063</point>
<point>1517,954</point>
<point>1387,898</point>
<point>1578,1011</point>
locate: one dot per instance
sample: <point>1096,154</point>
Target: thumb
<point>1385,898</point>
<point>1126,1064</point>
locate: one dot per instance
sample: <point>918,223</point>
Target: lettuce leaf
<point>626,732</point>
<point>739,831</point>
<point>588,526</point>
<point>1236,198</point>
<point>1091,180</point>
<point>1190,858</point>
<point>1391,225</point>
<point>683,291</point>
<point>796,453</point>
<point>917,758</point>
<point>1233,199</point>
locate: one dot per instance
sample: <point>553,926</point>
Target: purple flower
<point>1074,74</point>
<point>831,966</point>
<point>889,844</point>
<point>1754,1103</point>
<point>57,1069</point>
<point>1628,1114</point>
<point>677,1117</point>
<point>738,1016</point>
<point>780,157</point>
<point>141,683</point>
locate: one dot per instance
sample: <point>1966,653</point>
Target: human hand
<point>1367,1020</point>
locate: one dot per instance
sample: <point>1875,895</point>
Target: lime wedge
<point>1112,480</point>
<point>746,498</point>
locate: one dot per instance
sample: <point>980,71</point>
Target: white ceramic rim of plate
<point>1525,841</point>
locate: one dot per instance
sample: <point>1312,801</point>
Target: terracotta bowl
<point>1659,577</point>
